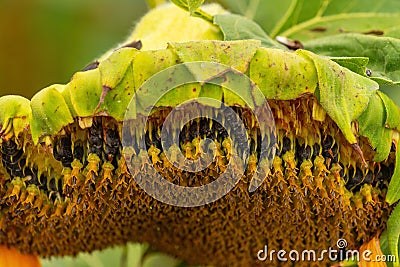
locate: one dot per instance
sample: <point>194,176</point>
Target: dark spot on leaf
<point>319,29</point>
<point>374,32</point>
<point>368,72</point>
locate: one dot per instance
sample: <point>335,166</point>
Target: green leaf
<point>342,93</point>
<point>181,3</point>
<point>392,112</point>
<point>305,20</point>
<point>371,125</point>
<point>392,91</point>
<point>193,6</point>
<point>315,18</point>
<point>265,13</point>
<point>298,12</point>
<point>393,233</point>
<point>236,27</point>
<point>383,52</point>
<point>384,243</point>
<point>190,5</point>
<point>385,81</point>
<point>355,64</point>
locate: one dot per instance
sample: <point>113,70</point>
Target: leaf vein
<point>330,18</point>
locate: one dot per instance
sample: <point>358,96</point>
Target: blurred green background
<point>45,41</point>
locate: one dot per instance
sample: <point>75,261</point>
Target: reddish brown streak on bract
<point>104,92</point>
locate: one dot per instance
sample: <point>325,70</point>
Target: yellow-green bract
<point>108,89</point>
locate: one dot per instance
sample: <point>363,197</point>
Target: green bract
<point>346,96</point>
<point>15,115</point>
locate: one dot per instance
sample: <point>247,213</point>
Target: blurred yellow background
<point>45,41</point>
